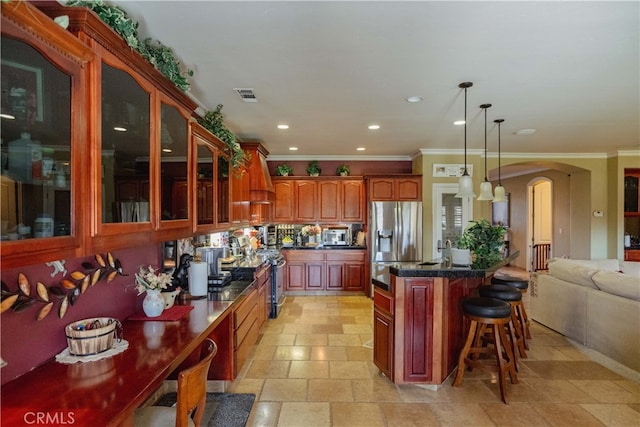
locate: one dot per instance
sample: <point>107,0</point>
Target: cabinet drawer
<point>347,255</point>
<point>383,300</point>
<point>305,255</point>
<point>244,309</point>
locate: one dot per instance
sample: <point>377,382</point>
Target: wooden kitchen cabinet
<point>212,193</point>
<point>246,329</point>
<point>395,188</point>
<point>319,200</point>
<point>345,270</point>
<point>305,196</point>
<point>383,331</point>
<point>284,208</point>
<point>132,112</point>
<point>44,63</point>
<point>631,192</point>
<point>632,254</point>
<point>325,270</point>
<point>240,204</point>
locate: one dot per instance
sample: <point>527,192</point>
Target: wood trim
<point>31,20</point>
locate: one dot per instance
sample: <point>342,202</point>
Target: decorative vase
<point>153,303</point>
<point>344,173</point>
<point>314,174</point>
<point>312,238</point>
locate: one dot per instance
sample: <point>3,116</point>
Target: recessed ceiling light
<point>360,148</point>
<point>458,122</point>
<point>283,126</point>
<point>293,148</point>
<point>525,132</point>
<point>415,98</point>
<point>374,127</point>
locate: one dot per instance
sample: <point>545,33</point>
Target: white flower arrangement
<point>311,230</point>
<point>148,279</point>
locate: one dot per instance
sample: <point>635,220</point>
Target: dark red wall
<point>27,343</point>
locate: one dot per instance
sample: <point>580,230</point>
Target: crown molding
<point>339,158</point>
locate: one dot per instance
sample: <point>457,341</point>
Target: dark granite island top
<point>436,268</point>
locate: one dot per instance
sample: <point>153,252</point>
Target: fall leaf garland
<point>67,290</point>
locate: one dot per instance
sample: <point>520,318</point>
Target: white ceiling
<point>329,69</point>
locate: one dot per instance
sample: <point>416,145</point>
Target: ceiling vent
<point>246,94</point>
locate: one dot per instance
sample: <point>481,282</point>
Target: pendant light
<point>465,186</point>
<point>500,194</point>
<point>486,193</point>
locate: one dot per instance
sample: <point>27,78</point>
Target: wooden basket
<point>85,341</point>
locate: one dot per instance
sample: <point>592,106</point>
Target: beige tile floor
<point>313,367</point>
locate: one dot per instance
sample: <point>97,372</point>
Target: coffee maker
<point>213,257</point>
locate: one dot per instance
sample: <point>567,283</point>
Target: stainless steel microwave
<point>336,236</point>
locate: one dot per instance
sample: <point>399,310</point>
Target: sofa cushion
<point>570,271</point>
<point>630,268</point>
<point>597,264</point>
<point>619,284</point>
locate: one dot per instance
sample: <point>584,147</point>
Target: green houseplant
<point>313,169</point>
<point>213,121</point>
<point>158,55</point>
<point>485,241</point>
<point>284,170</point>
<point>343,170</point>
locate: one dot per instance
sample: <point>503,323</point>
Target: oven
<point>277,285</point>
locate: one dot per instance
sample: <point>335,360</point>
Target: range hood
<point>260,185</point>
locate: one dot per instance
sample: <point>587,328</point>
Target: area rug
<point>229,409</point>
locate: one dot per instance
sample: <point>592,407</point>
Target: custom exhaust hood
<point>260,185</point>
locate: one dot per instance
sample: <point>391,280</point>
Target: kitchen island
<point>419,328</point>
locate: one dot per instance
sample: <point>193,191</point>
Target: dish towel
<point>176,312</point>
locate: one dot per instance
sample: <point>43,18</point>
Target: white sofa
<point>593,302</point>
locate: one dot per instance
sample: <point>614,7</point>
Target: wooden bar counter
<point>108,391</point>
<point>419,328</point>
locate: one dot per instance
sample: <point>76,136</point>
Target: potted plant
<point>484,241</point>
<point>343,170</point>
<point>313,169</point>
<point>284,170</point>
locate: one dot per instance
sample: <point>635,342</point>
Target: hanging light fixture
<point>486,192</point>
<point>500,194</point>
<point>465,186</point>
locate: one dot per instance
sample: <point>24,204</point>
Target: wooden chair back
<point>192,386</point>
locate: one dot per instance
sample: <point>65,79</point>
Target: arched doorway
<point>539,223</point>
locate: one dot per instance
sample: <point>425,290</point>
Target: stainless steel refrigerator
<point>395,234</point>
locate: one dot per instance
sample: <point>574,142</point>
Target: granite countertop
<point>436,268</point>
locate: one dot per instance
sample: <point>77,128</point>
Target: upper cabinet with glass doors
<point>42,138</point>
<point>212,192</point>
<point>138,133</point>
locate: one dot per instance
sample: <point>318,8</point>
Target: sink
<point>429,263</point>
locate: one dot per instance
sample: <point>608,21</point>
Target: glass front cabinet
<point>212,205</point>
<point>96,143</point>
<point>139,133</point>
<point>42,147</point>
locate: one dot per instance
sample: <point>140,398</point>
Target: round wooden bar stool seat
<point>487,316</point>
<point>517,328</point>
<point>521,284</point>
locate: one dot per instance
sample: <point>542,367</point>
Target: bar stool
<point>523,286</point>
<point>512,296</point>
<point>487,315</point>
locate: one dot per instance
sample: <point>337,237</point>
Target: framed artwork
<point>22,93</point>
<point>500,212</point>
